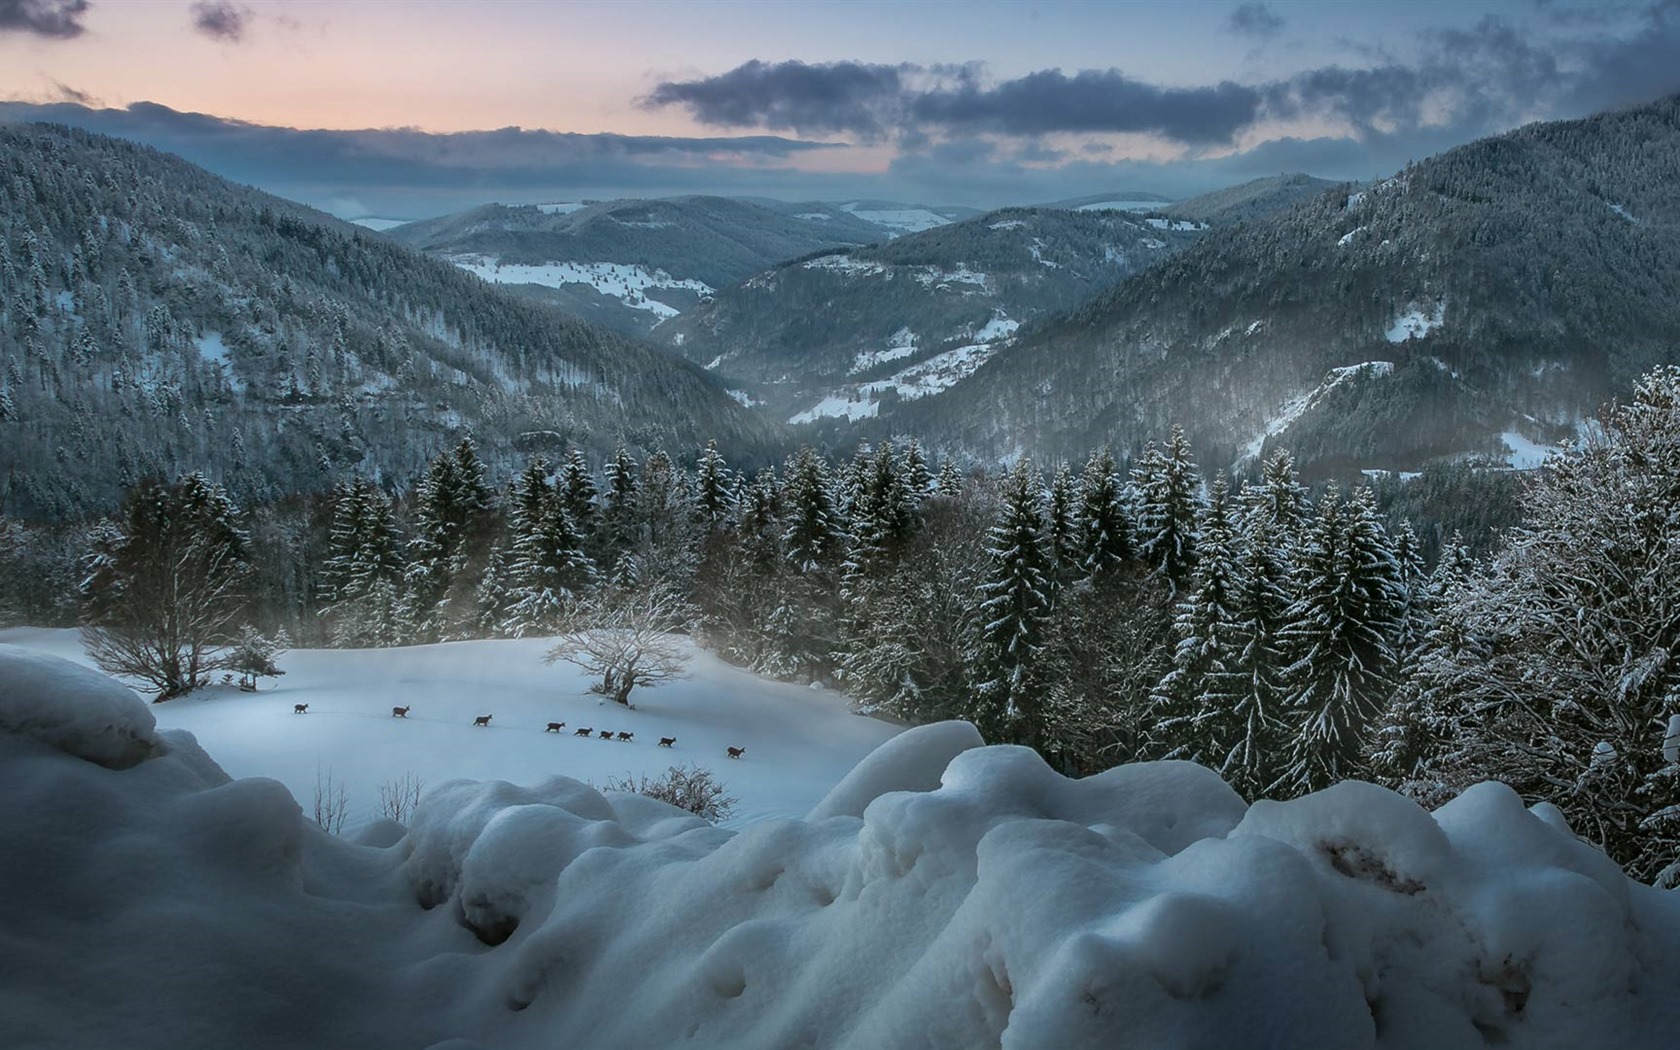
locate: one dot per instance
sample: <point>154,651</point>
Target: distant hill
<point>157,318</point>
<point>1485,301</point>
<point>827,337</point>
<point>1250,200</point>
<point>1119,200</point>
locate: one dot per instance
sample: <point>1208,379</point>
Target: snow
<point>1347,238</point>
<point>744,399</point>
<point>1122,205</point>
<point>1624,213</point>
<point>1007,224</point>
<point>900,345</point>
<point>1413,323</point>
<point>1181,225</point>
<point>942,894</point>
<point>73,709</point>
<point>1524,454</point>
<point>1296,407</point>
<point>379,225</point>
<point>845,264</point>
<point>999,327</point>
<point>211,348</point>
<point>799,743</point>
<point>932,375</point>
<point>625,281</point>
<point>850,407</point>
<point>560,207</point>
<point>904,220</point>
<point>814,216</point>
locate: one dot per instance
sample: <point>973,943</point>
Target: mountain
<point>1119,200</point>
<point>1484,301</point>
<point>157,318</point>
<point>1250,200</point>
<point>831,335</point>
<point>632,264</point>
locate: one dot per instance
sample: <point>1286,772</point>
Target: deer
<point>667,741</point>
<point>606,734</point>
<point>401,712</point>
<point>737,752</point>
<point>584,731</point>
<point>300,709</point>
<point>555,727</point>
<point>625,736</point>
<point>482,720</point>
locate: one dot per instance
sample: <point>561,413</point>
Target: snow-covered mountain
<point>941,893</point>
<point>1485,301</point>
<point>160,319</point>
<point>829,337</point>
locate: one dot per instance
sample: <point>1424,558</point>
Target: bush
<point>690,787</point>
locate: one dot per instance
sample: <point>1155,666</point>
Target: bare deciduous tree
<point>398,798</point>
<point>332,802</point>
<point>628,640</point>
<point>690,787</point>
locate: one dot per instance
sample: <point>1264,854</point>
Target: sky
<point>410,108</point>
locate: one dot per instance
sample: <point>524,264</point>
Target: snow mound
<point>73,709</point>
<point>944,894</point>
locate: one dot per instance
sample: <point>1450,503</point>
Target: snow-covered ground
<point>942,894</point>
<point>799,741</point>
<point>1414,323</point>
<point>1122,205</point>
<point>625,281</point>
<point>929,376</point>
<point>903,220</point>
<point>1523,453</point>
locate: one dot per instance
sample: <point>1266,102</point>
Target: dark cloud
<point>1255,19</point>
<point>221,20</point>
<point>856,97</point>
<point>57,19</point>
<point>873,101</point>
<point>1091,101</point>
<point>66,93</point>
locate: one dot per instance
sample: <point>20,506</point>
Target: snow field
<point>625,281</point>
<point>799,741</point>
<point>1414,323</point>
<point>942,894</point>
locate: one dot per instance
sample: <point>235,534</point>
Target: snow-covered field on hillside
<point>626,281</point>
<point>942,895</point>
<point>799,741</point>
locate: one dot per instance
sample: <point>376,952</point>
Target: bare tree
<point>332,802</point>
<point>690,787</point>
<point>628,640</point>
<point>398,798</point>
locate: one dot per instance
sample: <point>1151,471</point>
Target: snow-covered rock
<point>74,709</point>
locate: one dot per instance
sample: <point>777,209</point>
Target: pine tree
<point>452,522</point>
<point>1194,700</point>
<point>917,478</point>
<point>1341,636</point>
<point>577,491</point>
<point>1015,604</point>
<point>547,571</point>
<point>1255,690</point>
<point>618,533</point>
<point>1106,535</point>
<point>950,484</point>
<point>1169,489</point>
<point>1062,524</point>
<point>714,489</point>
<point>1277,506</point>
<point>364,568</point>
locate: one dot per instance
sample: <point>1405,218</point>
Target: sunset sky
<point>966,103</point>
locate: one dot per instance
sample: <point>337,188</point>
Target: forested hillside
<point>158,319</point>
<point>1485,300</point>
<point>829,336</point>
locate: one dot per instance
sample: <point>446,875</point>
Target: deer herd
<point>553,727</point>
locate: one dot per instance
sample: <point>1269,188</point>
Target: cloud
<point>416,173</point>
<point>876,101</point>
<point>221,20</point>
<point>1255,19</point>
<point>55,19</point>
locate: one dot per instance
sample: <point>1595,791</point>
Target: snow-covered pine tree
<point>547,570</point>
<point>1194,701</point>
<point>1016,600</point>
<point>1255,689</point>
<point>1340,634</point>
<point>950,483</point>
<point>1170,504</point>
<point>618,531</point>
<point>452,531</point>
<point>802,627</point>
<point>576,488</point>
<point>1061,524</point>
<point>364,568</point>
<point>1277,506</point>
<point>917,478</point>
<point>714,489</point>
<point>1106,535</point>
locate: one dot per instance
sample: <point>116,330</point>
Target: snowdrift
<point>945,894</point>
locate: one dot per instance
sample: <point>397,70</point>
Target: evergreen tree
<point>1015,604</point>
<point>917,478</point>
<point>453,523</point>
<point>1196,698</point>
<point>1169,488</point>
<point>1106,540</point>
<point>950,484</point>
<point>1062,524</point>
<point>548,571</point>
<point>364,569</point>
<point>577,491</point>
<point>1340,634</point>
<point>714,489</point>
<point>619,530</point>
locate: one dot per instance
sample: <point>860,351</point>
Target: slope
<point>632,264</point>
<point>1494,295</point>
<point>158,318</point>
<point>832,335</point>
